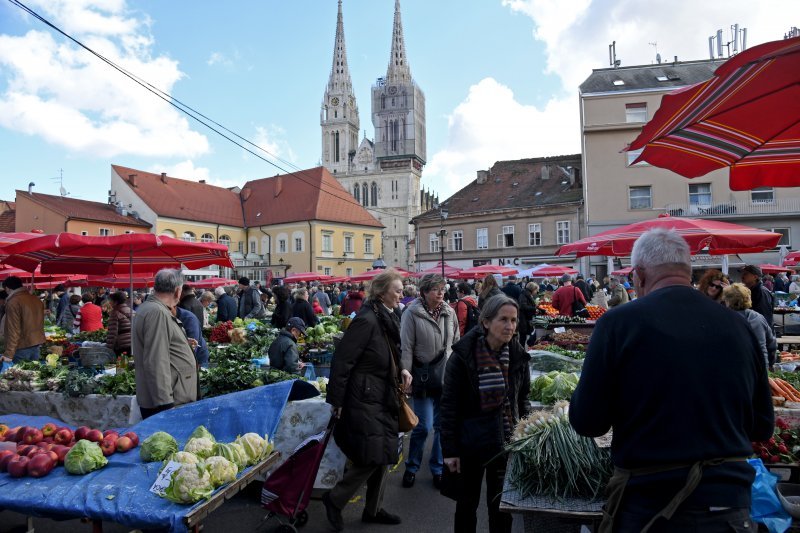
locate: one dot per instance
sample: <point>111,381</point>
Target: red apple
<point>13,434</point>
<point>36,451</point>
<point>41,465</point>
<point>49,429</point>
<point>81,432</point>
<point>109,432</point>
<point>61,452</point>
<point>48,440</point>
<point>32,435</point>
<point>95,435</point>
<point>18,466</point>
<point>108,446</point>
<point>124,443</point>
<point>63,436</point>
<point>5,457</point>
<point>134,438</point>
<point>25,449</point>
<point>44,445</point>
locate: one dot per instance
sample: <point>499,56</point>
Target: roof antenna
<point>60,179</point>
<point>612,55</point>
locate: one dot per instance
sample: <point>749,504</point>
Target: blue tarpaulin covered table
<point>120,492</point>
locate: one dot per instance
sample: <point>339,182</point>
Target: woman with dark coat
<point>119,324</point>
<point>488,289</point>
<point>486,386</point>
<point>283,308</point>
<point>362,391</point>
<point>527,310</point>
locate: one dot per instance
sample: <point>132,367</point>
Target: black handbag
<point>428,377</point>
<point>578,309</point>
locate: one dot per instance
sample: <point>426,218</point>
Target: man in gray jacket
<point>283,353</point>
<point>166,371</point>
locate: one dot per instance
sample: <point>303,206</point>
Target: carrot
<point>786,390</point>
<point>777,390</point>
<point>788,386</point>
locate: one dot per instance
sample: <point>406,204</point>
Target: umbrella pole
<point>725,264</point>
<point>610,265</point>
<point>130,275</point>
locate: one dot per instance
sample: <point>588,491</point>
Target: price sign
<point>164,477</point>
<point>560,330</point>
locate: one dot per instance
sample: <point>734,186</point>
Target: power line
<point>194,114</point>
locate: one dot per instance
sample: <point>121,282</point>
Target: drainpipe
<point>269,247</point>
<point>310,248</point>
<point>66,221</point>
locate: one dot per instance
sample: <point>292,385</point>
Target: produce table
<point>782,312</point>
<point>119,492</point>
<point>93,410</point>
<point>785,341</point>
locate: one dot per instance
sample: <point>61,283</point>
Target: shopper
<point>23,322</point>
<point>712,284</point>
<point>486,389</point>
<point>763,300</point>
<point>226,305</point>
<point>90,316</point>
<point>190,302</point>
<point>303,309</point>
<point>737,298</point>
<point>118,338</point>
<point>249,300</point>
<point>618,294</point>
<point>527,310</point>
<point>362,394</point>
<point>283,353</point>
<point>489,288</point>
<point>707,391</point>
<point>466,308</point>
<point>566,295</point>
<point>283,308</point>
<point>67,320</point>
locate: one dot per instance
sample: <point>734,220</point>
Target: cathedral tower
<point>339,113</point>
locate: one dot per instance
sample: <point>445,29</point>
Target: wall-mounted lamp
<point>342,260</point>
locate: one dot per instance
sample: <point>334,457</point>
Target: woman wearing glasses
<point>712,283</point>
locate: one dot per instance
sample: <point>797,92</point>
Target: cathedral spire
<point>339,81</point>
<point>398,71</point>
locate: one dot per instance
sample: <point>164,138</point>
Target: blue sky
<point>500,79</point>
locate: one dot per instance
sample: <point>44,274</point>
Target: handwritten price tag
<point>164,477</point>
<point>559,330</point>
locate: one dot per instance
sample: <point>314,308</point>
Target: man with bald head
<point>681,381</point>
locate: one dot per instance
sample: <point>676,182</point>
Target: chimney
<point>545,172</point>
<point>31,185</point>
<point>483,175</point>
<point>163,177</point>
<point>246,192</point>
<point>202,181</point>
<point>132,179</point>
<point>278,185</point>
<point>675,62</point>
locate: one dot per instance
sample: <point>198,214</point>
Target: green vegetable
<point>200,446</point>
<point>221,470</point>
<point>123,383</point>
<point>233,453</point>
<point>158,447</point>
<point>202,432</point>
<point>80,382</point>
<point>86,456</point>
<point>254,446</point>
<point>553,386</point>
<point>189,484</point>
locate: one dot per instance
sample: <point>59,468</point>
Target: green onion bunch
<point>550,459</point>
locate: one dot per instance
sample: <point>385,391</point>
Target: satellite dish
<point>658,58</point>
<point>63,191</point>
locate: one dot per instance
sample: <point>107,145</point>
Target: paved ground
<point>422,508</point>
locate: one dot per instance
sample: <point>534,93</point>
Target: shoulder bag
<point>407,419</point>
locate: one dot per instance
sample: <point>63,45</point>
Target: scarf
<point>389,321</point>
<point>493,381</point>
<point>434,313</point>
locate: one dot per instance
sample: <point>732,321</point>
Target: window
<point>367,245</point>
<point>206,237</point>
<point>348,244</point>
<point>632,155</point>
<point>433,242</point>
<point>241,247</point>
<point>699,195</point>
<point>457,240</point>
<point>640,197</point>
<point>348,272</point>
<point>535,234</point>
<point>224,239</point>
<point>327,242</point>
<point>562,232</point>
<point>188,236</point>
<point>482,238</point>
<point>168,233</point>
<point>636,112</point>
<point>282,246</point>
<point>508,236</point>
<point>374,198</point>
<point>786,240</point>
<point>105,232</point>
<point>364,195</point>
<point>252,247</point>
<point>298,244</point>
<point>327,271</point>
<point>84,233</point>
<point>762,195</point>
<point>357,192</point>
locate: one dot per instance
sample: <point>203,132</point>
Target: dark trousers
<point>466,508</point>
<point>354,478</point>
<point>147,412</point>
<point>687,521</point>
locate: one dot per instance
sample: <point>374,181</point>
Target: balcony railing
<point>736,208</point>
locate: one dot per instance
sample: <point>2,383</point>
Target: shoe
<point>334,513</point>
<point>408,479</point>
<point>381,517</point>
<point>437,481</point>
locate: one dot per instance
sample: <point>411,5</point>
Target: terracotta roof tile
<point>8,218</point>
<point>82,209</point>
<point>518,184</point>
<point>312,194</point>
<point>184,199</point>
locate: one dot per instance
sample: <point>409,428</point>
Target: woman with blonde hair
<point>713,283</point>
<point>489,288</point>
<point>737,298</point>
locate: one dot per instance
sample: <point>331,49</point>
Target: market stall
<point>93,409</point>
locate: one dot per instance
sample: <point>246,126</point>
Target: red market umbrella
<point>341,279</point>
<point>369,274</point>
<point>552,270</point>
<point>721,238</point>
<point>449,271</point>
<point>773,269</point>
<point>746,117</point>
<point>622,272</point>
<point>482,270</point>
<point>116,282</point>
<point>14,237</point>
<point>213,283</point>
<point>792,259</point>
<point>305,276</point>
<point>36,276</point>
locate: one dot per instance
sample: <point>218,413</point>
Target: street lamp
<point>442,232</point>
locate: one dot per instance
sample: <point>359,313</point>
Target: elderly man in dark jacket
<point>190,302</point>
<point>283,353</point>
<point>226,305</point>
<point>250,305</point>
<point>759,294</point>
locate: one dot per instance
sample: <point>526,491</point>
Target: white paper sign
<point>559,330</point>
<point>164,477</point>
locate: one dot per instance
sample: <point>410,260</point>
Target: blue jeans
<point>427,409</point>
<point>27,354</point>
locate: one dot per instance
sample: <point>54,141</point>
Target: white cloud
<point>272,139</point>
<point>218,58</point>
<point>490,125</point>
<point>63,94</point>
<point>187,170</point>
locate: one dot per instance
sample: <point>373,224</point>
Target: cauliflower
<point>181,457</point>
<point>233,453</point>
<point>254,446</point>
<point>189,484</point>
<point>202,447</point>
<point>221,470</point>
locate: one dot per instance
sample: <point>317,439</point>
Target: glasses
<point>440,289</point>
<point>716,285</point>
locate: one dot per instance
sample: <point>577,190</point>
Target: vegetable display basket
<point>95,356</point>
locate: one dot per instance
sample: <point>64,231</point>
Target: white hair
<point>660,246</point>
<point>219,291</point>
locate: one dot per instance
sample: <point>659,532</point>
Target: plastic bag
<point>545,361</point>
<point>6,366</point>
<point>765,506</point>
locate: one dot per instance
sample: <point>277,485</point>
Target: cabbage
<point>181,457</point>
<point>254,446</point>
<point>221,470</point>
<point>202,432</point>
<point>560,388</point>
<point>190,483</point>
<point>158,447</point>
<point>201,447</point>
<point>233,453</point>
<point>86,456</point>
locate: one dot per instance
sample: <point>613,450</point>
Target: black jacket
<point>512,290</point>
<point>527,310</point>
<point>302,309</point>
<point>226,308</point>
<point>762,301</point>
<point>584,288</point>
<point>465,430</point>
<point>191,303</point>
<point>362,384</point>
<point>283,353</point>
<point>281,314</point>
